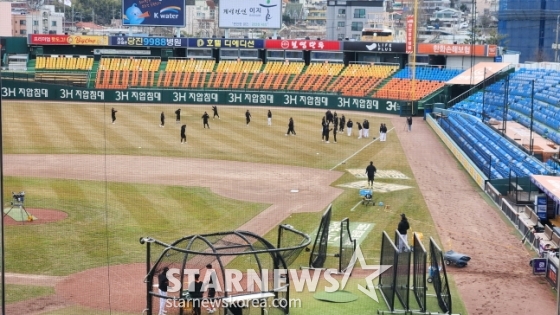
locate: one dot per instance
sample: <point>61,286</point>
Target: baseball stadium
<point>194,175</point>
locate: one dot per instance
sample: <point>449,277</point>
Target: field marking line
<point>355,206</point>
<point>360,150</point>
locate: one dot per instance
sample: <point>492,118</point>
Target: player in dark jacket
<point>326,132</point>
<point>342,123</point>
<point>359,130</point>
<point>113,115</point>
<point>183,134</point>
<point>162,118</point>
<point>215,110</point>
<point>403,227</point>
<point>370,172</point>
<point>205,118</point>
<point>365,132</point>
<point>247,117</point>
<point>349,126</point>
<point>178,116</point>
<point>291,127</point>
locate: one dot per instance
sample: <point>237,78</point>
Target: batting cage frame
<point>402,271</point>
<point>419,269</point>
<point>347,246</point>
<point>189,255</point>
<point>441,284</point>
<point>318,254</point>
<point>387,281</point>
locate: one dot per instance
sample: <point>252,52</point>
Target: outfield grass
<point>106,219</point>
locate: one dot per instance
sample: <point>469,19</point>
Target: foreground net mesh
<point>419,269</point>
<point>387,279</point>
<point>319,250</point>
<point>402,273</point>
<point>289,240</point>
<point>347,246</point>
<point>439,277</point>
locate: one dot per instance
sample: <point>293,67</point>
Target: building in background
<point>18,18</point>
<point>45,20</point>
<point>347,19</point>
<point>201,19</point>
<point>529,26</point>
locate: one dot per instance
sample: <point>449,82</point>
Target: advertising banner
<point>552,274</point>
<point>28,90</point>
<point>303,44</point>
<point>539,266</point>
<point>381,47</point>
<point>410,34</point>
<point>143,41</point>
<point>492,51</point>
<point>88,40</point>
<point>225,43</point>
<point>250,14</point>
<point>153,13</point>
<point>452,49</point>
<point>47,39</point>
<point>76,40</point>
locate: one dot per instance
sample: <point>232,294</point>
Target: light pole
<point>556,43</point>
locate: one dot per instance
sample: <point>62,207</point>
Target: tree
<point>475,38</point>
<point>485,21</point>
<point>463,7</point>
<point>88,10</point>
<point>287,19</point>
<point>493,38</point>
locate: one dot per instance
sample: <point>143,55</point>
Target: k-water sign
<point>154,12</point>
<point>251,14</point>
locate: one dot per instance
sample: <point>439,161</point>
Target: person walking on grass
<point>178,116</point>
<point>403,228</point>
<point>205,118</point>
<point>247,117</point>
<point>370,172</point>
<point>349,126</point>
<point>113,115</point>
<point>269,117</point>
<point>334,130</point>
<point>183,134</point>
<point>162,119</point>
<point>215,110</point>
<point>163,283</point>
<point>291,127</point>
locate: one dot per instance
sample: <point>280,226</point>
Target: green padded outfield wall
<point>25,90</point>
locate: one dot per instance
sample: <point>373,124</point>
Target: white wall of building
<point>6,28</point>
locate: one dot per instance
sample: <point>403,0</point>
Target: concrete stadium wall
<point>471,168</point>
<point>28,90</point>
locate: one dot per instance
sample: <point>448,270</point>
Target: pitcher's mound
<point>41,216</point>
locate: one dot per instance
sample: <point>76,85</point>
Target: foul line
<point>360,150</point>
<point>355,206</point>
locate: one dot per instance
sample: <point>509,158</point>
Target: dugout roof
<point>550,185</point>
<point>478,73</point>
